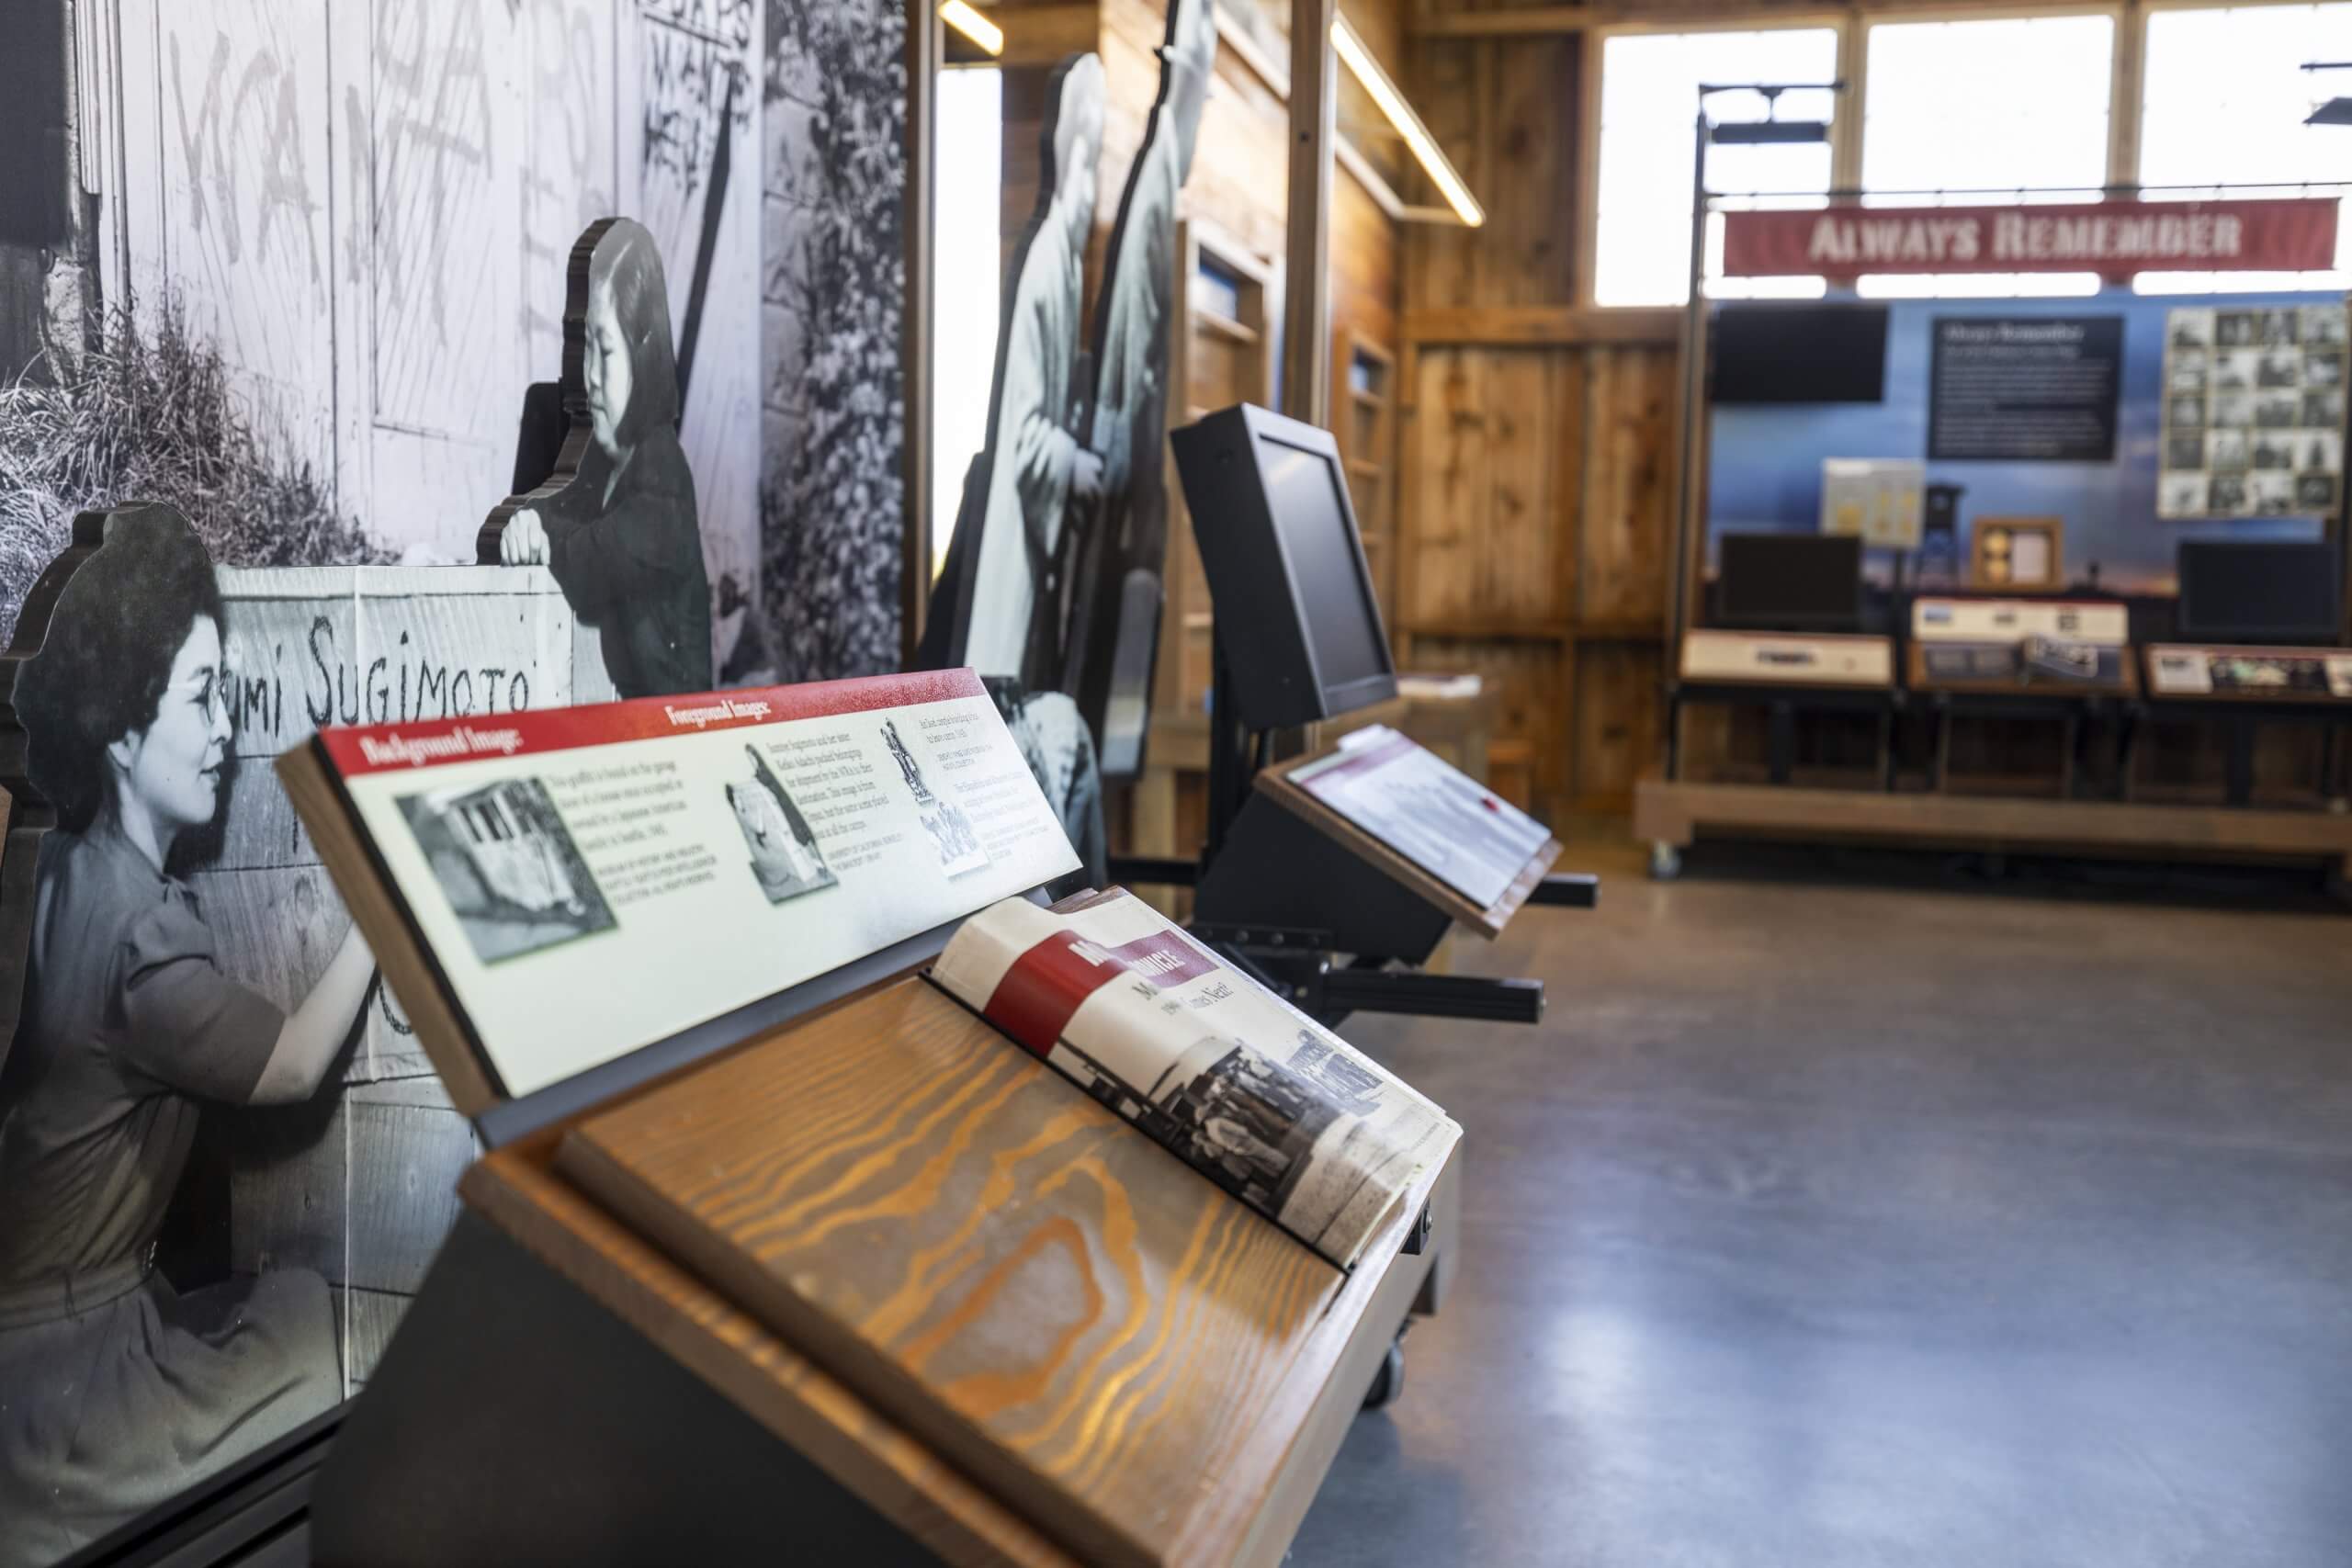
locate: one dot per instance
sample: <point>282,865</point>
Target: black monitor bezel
<point>1264,426</point>
<point>1851,621</point>
<point>2189,628</point>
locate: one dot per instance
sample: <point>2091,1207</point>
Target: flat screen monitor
<point>1286,566</point>
<point>1790,582</point>
<point>1800,353</point>
<point>2274,590</point>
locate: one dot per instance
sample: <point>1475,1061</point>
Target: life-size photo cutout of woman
<point>117,1390</point>
<point>1122,544</point>
<point>616,522</point>
<point>1002,605</point>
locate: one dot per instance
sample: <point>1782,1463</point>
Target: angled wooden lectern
<point>842,1275</point>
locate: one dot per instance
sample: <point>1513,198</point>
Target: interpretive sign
<point>2033,388</point>
<point>585,882</point>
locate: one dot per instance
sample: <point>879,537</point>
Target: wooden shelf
<point>1674,813</point>
<point>1596,630</point>
<point>1372,400</point>
<point>1224,326</point>
<point>1364,467</point>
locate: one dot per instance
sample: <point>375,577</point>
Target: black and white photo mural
<point>616,521</point>
<point>301,275</point>
<point>833,285</point>
<point>116,1383</point>
<point>290,283</point>
<point>1121,543</point>
<point>1001,602</point>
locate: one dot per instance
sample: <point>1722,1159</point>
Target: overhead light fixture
<point>1382,92</point>
<point>1767,132</point>
<point>1771,130</point>
<point>966,18</point>
<point>2335,111</point>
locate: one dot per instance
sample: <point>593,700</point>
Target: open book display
<point>1082,1248</point>
<point>1236,1082</point>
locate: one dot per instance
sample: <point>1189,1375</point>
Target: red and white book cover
<point>1238,1084</point>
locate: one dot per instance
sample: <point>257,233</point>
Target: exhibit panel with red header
<point>2133,419</point>
<point>2115,239</point>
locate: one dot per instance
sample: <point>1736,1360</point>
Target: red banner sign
<point>2114,239</point>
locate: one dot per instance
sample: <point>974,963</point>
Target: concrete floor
<point>1860,1223</point>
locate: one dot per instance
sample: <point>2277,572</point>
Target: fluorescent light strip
<point>961,15</point>
<point>1400,114</point>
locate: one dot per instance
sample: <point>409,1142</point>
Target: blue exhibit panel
<point>1764,464</point>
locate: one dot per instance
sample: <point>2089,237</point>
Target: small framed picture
<point>2235,370</point>
<point>2231,409</point>
<point>2185,413</point>
<point>2190,327</point>
<point>2226,449</point>
<point>2314,493</point>
<point>2238,329</point>
<point>2229,496</point>
<point>2017,552</point>
<point>2323,410</point>
<point>2324,370</point>
<point>2323,326</point>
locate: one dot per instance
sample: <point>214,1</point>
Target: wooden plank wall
<point>1538,436</point>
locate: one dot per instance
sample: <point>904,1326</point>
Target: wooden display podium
<point>1032,1336</point>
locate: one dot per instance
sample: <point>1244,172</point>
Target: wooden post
<point>1306,309</point>
<point>924,52</point>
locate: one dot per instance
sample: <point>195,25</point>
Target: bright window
<point>1649,87</point>
<point>964,286</point>
<point>2224,99</point>
<point>1972,113</point>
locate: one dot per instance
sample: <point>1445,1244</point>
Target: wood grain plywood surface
<point>1093,1332</point>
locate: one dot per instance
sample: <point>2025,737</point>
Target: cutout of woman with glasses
<point>116,1390</point>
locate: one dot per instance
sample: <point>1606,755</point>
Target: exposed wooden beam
<point>1235,39</point>
<point>1384,196</point>
<point>1541,325</point>
<point>1526,20</point>
<point>1034,35</point>
<point>1306,313</point>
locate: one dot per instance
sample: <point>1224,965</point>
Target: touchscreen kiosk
<point>1285,567</point>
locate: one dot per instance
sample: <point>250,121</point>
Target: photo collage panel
<point>2253,413</point>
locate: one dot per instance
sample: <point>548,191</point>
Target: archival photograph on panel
<point>508,866</point>
<point>785,861</point>
<point>2190,329</point>
<point>2181,495</point>
<point>1246,1121</point>
<point>952,833</point>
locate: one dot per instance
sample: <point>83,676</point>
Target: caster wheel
<point>1389,1381</point>
<point>1666,862</point>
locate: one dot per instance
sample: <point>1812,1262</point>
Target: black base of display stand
<point>515,1420</point>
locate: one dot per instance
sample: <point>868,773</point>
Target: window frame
<point>2126,88</point>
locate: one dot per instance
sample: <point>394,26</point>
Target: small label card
<point>592,880</point>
